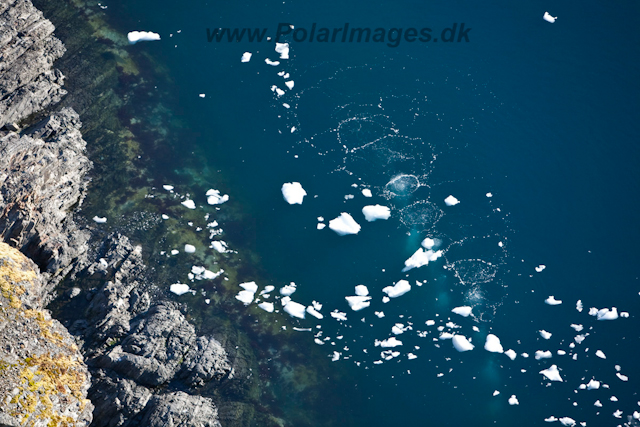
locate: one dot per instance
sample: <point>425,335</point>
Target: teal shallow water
<point>543,116</point>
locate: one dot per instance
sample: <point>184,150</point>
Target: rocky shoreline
<point>146,363</point>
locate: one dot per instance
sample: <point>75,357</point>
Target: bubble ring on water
<point>402,185</point>
<point>420,215</point>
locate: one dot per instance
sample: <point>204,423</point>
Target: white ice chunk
<point>463,311</point>
<point>399,289</point>
<point>293,193</point>
<point>289,84</point>
<point>547,17</point>
<point>388,343</point>
<point>179,288</point>
<point>552,301</point>
<point>321,226</point>
<point>428,243</point>
<point>451,201</point>
<point>288,290</point>
<point>579,306</point>
<point>492,344</point>
<point>511,354</point>
<point>219,245</point>
<point>566,421</point>
<point>165,216</point>
<point>214,197</point>
<point>168,187</point>
<point>540,268</point>
<point>283,50</point>
<point>312,311</point>
<point>461,343</point>
<point>420,258</point>
<point>245,296</point>
<point>344,224</point>
<point>544,334</point>
<point>246,57</point>
<point>606,314</point>
<point>496,392</point>
<point>598,404</point>
<point>189,204</point>
<point>593,385</point>
<point>593,311</point>
<point>600,354</point>
<point>272,63</point>
<point>142,36</point>
<point>357,303</point>
<point>295,309</point>
<point>543,354</point>
<point>622,377</point>
<point>577,328</point>
<point>366,192</point>
<point>100,220</point>
<point>361,290</point>
<point>202,95</point>
<point>375,212</point>
<point>551,419</point>
<point>266,306</point>
<point>513,400</point>
<point>552,373</point>
<point>249,286</point>
<point>338,315</point>
<point>189,248</point>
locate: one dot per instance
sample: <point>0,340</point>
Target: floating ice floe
<point>388,343</point>
<point>295,309</point>
<point>314,312</point>
<point>579,306</point>
<point>246,57</point>
<point>495,393</point>
<point>202,95</point>
<point>277,90</point>
<point>606,314</point>
<point>375,212</point>
<point>540,268</point>
<point>247,293</point>
<point>552,373</point>
<point>566,421</point>
<point>189,248</point>
<point>289,84</point>
<point>288,290</point>
<point>283,50</point>
<point>219,245</point>
<point>344,224</point>
<point>399,289</point>
<point>551,419</point>
<point>577,328</point>
<point>142,36</point>
<point>543,354</point>
<point>321,226</point>
<point>593,385</point>
<point>511,354</point>
<point>100,220</point>
<point>513,400</point>
<point>361,290</point>
<point>165,216</point>
<point>366,192</point>
<point>179,288</point>
<point>600,354</point>
<point>215,198</point>
<point>428,243</point>
<point>547,17</point>
<point>190,204</point>
<point>357,303</point>
<point>272,63</point>
<point>421,258</point>
<point>463,311</point>
<point>168,187</point>
<point>338,315</point>
<point>461,343</point>
<point>492,344</point>
<point>552,301</point>
<point>293,193</point>
<point>544,334</point>
<point>266,306</point>
<point>451,201</point>
<point>622,377</point>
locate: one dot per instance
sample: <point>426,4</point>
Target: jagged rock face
<point>43,380</point>
<point>28,49</point>
<point>181,409</point>
<point>42,176</point>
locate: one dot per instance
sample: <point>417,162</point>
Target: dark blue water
<point>543,116</point>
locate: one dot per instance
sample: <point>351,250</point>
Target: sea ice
<point>552,373</point>
<point>215,198</point>
<point>168,187</point>
<point>543,354</point>
<point>606,314</point>
<point>288,290</point>
<point>219,245</point>
<point>338,315</point>
<point>321,226</point>
<point>283,50</point>
<point>295,309</point>
<point>496,392</point>
<point>544,334</point>
<point>463,311</point>
<point>357,303</point>
<point>511,354</point>
<point>293,193</point>
<point>189,248</point>
<point>189,204</point>
<point>366,192</point>
<point>598,404</point>
<point>552,301</point>
<point>245,296</point>
<point>249,286</point>
<point>622,377</point>
<point>266,306</point>
<point>493,344</point>
<point>374,212</point>
<point>451,201</point>
<point>547,17</point>
<point>566,421</point>
<point>312,311</point>
<point>344,224</point>
<point>579,306</point>
<point>100,220</point>
<point>361,290</point>
<point>551,419</point>
<point>165,216</point>
<point>513,400</point>
<point>142,36</point>
<point>246,57</point>
<point>399,289</point>
<point>289,84</point>
<point>388,343</point>
<point>600,354</point>
<point>179,288</point>
<point>461,343</point>
<point>577,328</point>
<point>428,243</point>
<point>540,268</point>
<point>420,258</point>
<point>272,63</point>
<point>593,385</point>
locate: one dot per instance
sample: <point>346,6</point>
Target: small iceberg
<point>246,57</point>
<point>547,17</point>
<point>374,212</point>
<point>344,224</point>
<point>142,36</point>
<point>461,343</point>
<point>100,220</point>
<point>215,198</point>
<point>493,345</point>
<point>399,289</point>
<point>451,201</point>
<point>293,193</point>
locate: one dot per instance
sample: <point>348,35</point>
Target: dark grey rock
<point>208,361</point>
<point>117,401</point>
